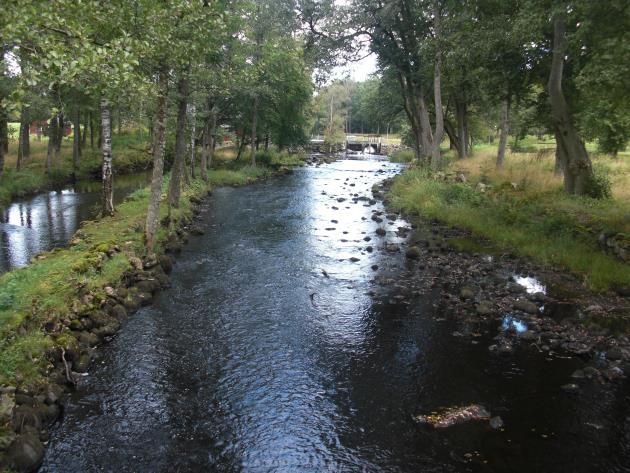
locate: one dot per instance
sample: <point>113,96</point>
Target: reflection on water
<point>48,220</point>
<point>271,353</point>
<point>513,323</point>
<point>531,284</point>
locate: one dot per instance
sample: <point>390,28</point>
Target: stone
<point>454,416</point>
<point>391,247</point>
<point>413,252</point>
<point>150,261</point>
<point>148,285</point>
<point>166,262</point>
<point>591,372</point>
<point>7,403</point>
<point>529,335</point>
<point>485,307</point>
<point>26,453</point>
<point>525,306</point>
<point>578,374</point>
<point>26,416</point>
<point>614,353</point>
<point>53,393</point>
<point>118,312</point>
<point>136,263</point>
<point>466,293</point>
<point>570,388</point>
<point>88,338</point>
<point>381,231</point>
<point>99,318</point>
<point>354,259</point>
<point>496,422</point>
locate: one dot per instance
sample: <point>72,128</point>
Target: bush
<point>599,186</point>
<point>402,156</point>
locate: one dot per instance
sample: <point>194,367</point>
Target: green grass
<point>402,156</point>
<point>553,228</point>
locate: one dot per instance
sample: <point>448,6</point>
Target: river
<point>275,352</point>
<point>32,225</point>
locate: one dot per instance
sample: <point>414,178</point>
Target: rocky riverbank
<point>513,302</point>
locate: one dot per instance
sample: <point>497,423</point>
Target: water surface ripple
<point>257,361</point>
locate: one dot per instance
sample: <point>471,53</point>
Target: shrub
<point>402,156</point>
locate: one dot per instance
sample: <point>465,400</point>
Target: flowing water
<point>274,352</point>
<point>40,223</point>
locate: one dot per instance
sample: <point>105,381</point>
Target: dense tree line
<point>195,67</point>
<point>558,65</point>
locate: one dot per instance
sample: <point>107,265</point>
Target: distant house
<point>40,128</point>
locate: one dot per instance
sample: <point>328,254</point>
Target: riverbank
<point>131,155</point>
<point>522,208</point>
<point>485,288</point>
<point>56,310</point>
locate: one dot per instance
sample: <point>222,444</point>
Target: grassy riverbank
<point>522,208</point>
<point>36,301</point>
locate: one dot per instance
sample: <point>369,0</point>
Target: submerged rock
<point>454,416</point>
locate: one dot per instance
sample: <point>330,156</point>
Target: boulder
<point>467,292</point>
<point>413,252</point>
<point>485,307</point>
<point>26,453</point>
<point>525,306</point>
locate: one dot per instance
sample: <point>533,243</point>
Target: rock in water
<point>454,416</point>
<point>413,252</point>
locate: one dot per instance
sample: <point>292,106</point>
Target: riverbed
<point>286,344</point>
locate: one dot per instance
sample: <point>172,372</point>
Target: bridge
<point>370,144</point>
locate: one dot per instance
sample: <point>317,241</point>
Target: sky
<point>358,71</point>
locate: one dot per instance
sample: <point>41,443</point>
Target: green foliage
<point>599,186</point>
<point>402,156</point>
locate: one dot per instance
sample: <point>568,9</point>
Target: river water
<point>31,225</point>
<point>274,352</point>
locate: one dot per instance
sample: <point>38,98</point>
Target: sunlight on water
<point>512,323</point>
<point>531,285</point>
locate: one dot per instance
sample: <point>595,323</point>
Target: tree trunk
<point>52,135</point>
<point>3,138</point>
<point>252,154</point>
<point>241,147</point>
<point>213,134</point>
<point>153,212</point>
<point>193,124</point>
<point>76,142</point>
<point>205,142</point>
<point>460,111</point>
<point>174,190</point>
<point>91,119</point>
<point>504,130</point>
<point>575,162</point>
<point>61,125</point>
<point>436,156</point>
<point>84,133</point>
<point>108,181</point>
<point>24,148</point>
<point>4,131</point>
